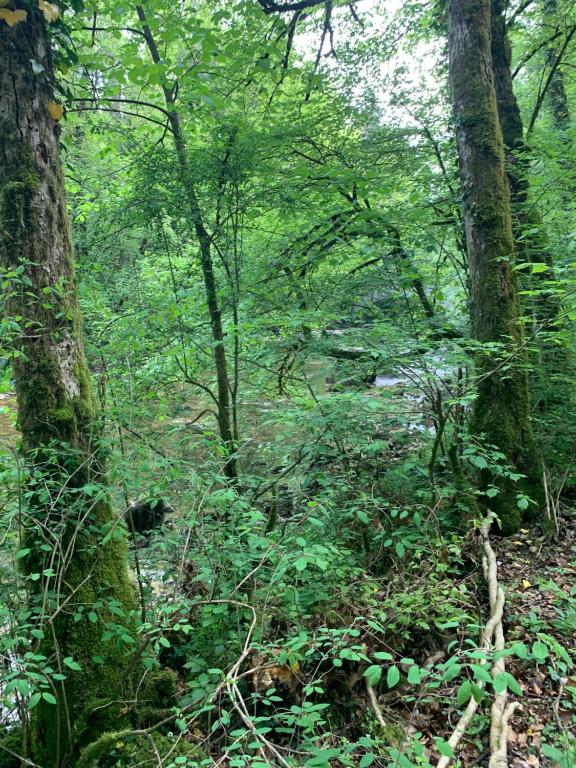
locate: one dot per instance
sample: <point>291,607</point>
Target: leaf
<point>444,748</point>
<point>481,673</point>
<point>55,110</point>
<point>400,549</point>
<point>373,674</point>
<point>13,17</point>
<point>451,672</point>
<point>512,684</point>
<point>392,677</point>
<point>366,760</point>
<point>383,656</point>
<point>414,675</point>
<point>50,10</point>
<point>34,699</point>
<point>552,752</point>
<point>301,564</point>
<point>526,584</point>
<point>362,516</point>
<point>49,698</point>
<point>499,682</point>
<point>464,693</point>
<point>539,650</point>
<point>71,664</point>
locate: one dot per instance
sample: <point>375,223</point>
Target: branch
<point>136,102</point>
<point>526,58</point>
<point>544,90</point>
<point>97,108</point>
<point>269,6</point>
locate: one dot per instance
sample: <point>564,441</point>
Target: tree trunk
<point>557,98</point>
<point>502,409</point>
<point>225,424</point>
<point>530,238</point>
<point>76,564</point>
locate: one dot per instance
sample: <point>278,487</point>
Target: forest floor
<point>539,576</point>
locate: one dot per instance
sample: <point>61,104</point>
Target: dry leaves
<point>55,110</point>
<point>12,17</point>
<point>50,10</point>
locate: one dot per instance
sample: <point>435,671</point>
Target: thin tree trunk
<point>557,98</point>
<point>222,378</point>
<point>76,562</point>
<point>501,411</point>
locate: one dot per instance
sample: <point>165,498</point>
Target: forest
<point>287,383</point>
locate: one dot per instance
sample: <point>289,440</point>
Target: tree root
<point>492,639</point>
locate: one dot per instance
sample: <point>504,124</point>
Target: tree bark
<point>530,237</point>
<point>501,411</point>
<point>76,562</point>
<point>557,98</point>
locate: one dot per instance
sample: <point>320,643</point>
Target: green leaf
<point>481,673</point>
<point>373,674</point>
<point>34,699</point>
<point>301,564</point>
<point>552,752</point>
<point>392,676</point>
<point>366,760</point>
<point>451,672</point>
<point>464,693</point>
<point>362,516</point>
<point>400,549</point>
<point>444,748</point>
<point>512,684</point>
<point>49,698</point>
<point>539,650</point>
<point>383,656</point>
<point>414,675</point>
<point>71,664</point>
<point>499,682</point>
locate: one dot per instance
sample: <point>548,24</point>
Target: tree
<point>530,237</point>
<point>225,420</point>
<point>73,554</point>
<point>502,408</point>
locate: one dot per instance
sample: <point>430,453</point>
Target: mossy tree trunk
<point>530,237</point>
<point>502,408</point>
<point>557,98</point>
<point>76,564</point>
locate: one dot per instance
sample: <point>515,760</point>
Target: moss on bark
<point>501,412</point>
<point>78,560</point>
